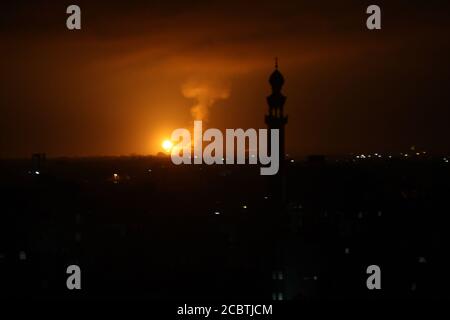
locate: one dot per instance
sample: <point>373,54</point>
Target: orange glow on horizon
<point>167,145</point>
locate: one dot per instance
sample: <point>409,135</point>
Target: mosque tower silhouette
<point>276,119</point>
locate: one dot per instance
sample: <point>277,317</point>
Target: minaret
<point>277,120</point>
<point>277,218</point>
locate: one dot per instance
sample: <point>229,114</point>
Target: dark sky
<point>140,69</point>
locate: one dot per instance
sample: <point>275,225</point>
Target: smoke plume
<point>205,93</point>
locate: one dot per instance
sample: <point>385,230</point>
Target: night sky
<point>140,69</point>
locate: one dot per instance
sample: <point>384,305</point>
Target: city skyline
<point>193,154</point>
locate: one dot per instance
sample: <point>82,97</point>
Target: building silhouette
<point>276,119</point>
<point>277,214</point>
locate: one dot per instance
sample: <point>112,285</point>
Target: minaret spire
<point>277,186</point>
<point>276,119</point>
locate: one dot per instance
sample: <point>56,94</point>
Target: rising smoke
<point>205,93</point>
